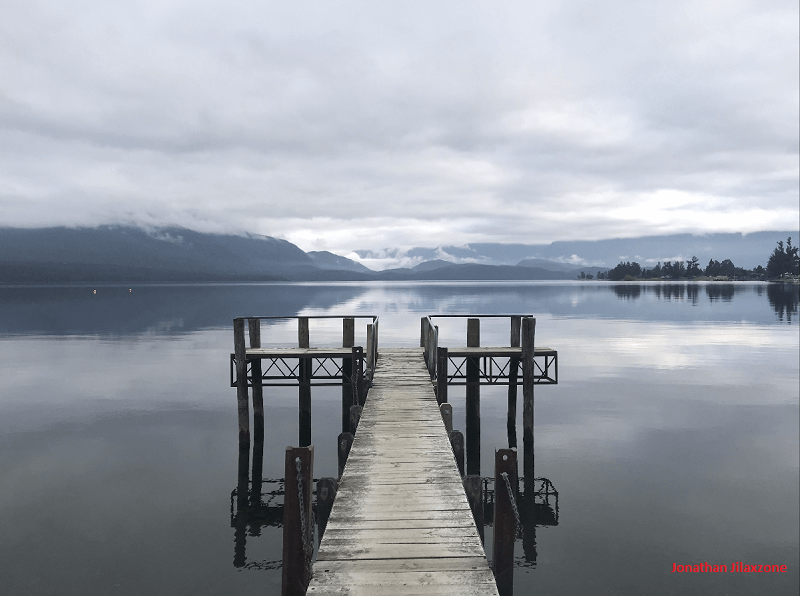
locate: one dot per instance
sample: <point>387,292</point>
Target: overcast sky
<point>365,125</point>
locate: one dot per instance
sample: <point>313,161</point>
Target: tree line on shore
<point>784,261</point>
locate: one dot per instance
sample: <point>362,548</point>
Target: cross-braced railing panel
<point>285,371</point>
<point>496,370</point>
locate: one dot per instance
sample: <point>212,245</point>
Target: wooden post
<point>296,571</point>
<point>304,402</point>
<point>441,375</point>
<point>355,416</point>
<point>473,487</point>
<point>504,527</point>
<point>326,493</point>
<point>343,444</point>
<point>359,395</point>
<point>304,390</point>
<point>433,347</point>
<point>457,443</point>
<point>447,416</point>
<point>528,331</point>
<point>240,354</point>
<point>302,332</point>
<point>254,330</point>
<point>513,368</point>
<point>348,341</point>
<point>473,427</point>
<point>423,332</point>
<point>368,355</point>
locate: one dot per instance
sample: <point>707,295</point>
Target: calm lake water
<point>672,436</point>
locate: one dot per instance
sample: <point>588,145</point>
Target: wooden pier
<point>403,520</point>
<point>401,523</point>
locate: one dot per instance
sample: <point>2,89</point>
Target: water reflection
<point>784,298</point>
<point>257,503</point>
<point>168,310</point>
<point>720,291</point>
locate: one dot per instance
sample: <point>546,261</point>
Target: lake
<point>671,438</point>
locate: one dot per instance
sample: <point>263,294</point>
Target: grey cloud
<point>395,123</point>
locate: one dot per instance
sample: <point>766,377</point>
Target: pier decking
<point>401,523</point>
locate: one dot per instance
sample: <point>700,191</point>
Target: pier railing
<point>253,367</point>
<point>282,366</point>
<point>496,365</point>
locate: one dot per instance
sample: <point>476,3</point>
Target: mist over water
<point>672,436</point>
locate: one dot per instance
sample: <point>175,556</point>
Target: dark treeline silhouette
<point>783,262</point>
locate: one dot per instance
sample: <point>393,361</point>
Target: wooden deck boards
<point>401,523</point>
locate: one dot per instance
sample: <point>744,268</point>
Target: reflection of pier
<point>404,513</point>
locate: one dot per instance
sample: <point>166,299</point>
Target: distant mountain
<point>327,260</point>
<point>472,271</point>
<point>746,251</point>
<point>124,253</point>
<point>431,265</point>
<point>544,264</point>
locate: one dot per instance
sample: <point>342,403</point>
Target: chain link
<point>513,502</point>
<point>308,548</point>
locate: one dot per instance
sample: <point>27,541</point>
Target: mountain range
<point>133,254</point>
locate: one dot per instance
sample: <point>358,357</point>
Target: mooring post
<point>298,521</point>
<point>368,356</point>
<point>355,416</point>
<point>473,487</point>
<point>343,444</point>
<point>441,375</point>
<point>358,374</point>
<point>254,330</point>
<point>304,390</point>
<point>240,354</point>
<point>326,493</point>
<point>473,426</point>
<point>504,527</point>
<point>447,416</point>
<point>528,331</point>
<point>457,443</point>
<point>433,349</point>
<point>513,368</point>
<point>348,341</point>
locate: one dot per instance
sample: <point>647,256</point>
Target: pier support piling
<point>239,349</point>
<point>348,341</point>
<point>254,330</point>
<point>441,375</point>
<point>513,368</point>
<point>304,385</point>
<point>528,332</point>
<point>473,406</point>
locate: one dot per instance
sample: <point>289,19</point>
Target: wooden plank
<point>395,566</point>
<point>401,523</point>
